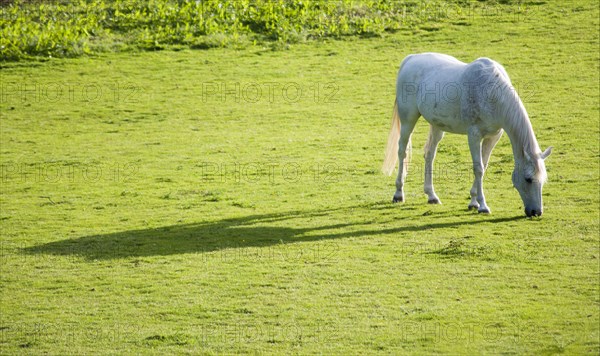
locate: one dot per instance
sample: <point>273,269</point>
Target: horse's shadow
<point>249,231</point>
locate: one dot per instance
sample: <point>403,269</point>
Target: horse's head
<point>528,178</point>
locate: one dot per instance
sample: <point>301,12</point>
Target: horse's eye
<point>528,180</point>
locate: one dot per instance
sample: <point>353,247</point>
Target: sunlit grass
<point>229,201</point>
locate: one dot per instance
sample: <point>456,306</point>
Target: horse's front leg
<point>478,170</point>
<point>486,150</point>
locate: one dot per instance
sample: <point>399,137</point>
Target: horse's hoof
<point>434,201</point>
<point>396,199</point>
<point>473,206</point>
<point>483,211</point>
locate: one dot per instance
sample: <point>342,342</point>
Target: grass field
<point>230,200</point>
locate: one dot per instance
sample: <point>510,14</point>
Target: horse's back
<point>444,69</point>
<point>416,67</point>
<point>431,58</point>
<point>449,93</point>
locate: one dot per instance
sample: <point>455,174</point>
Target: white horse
<point>475,99</point>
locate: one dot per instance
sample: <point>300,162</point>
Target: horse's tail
<point>391,151</point>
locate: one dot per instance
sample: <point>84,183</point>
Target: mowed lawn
<point>231,201</point>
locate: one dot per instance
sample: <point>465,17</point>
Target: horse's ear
<point>546,153</point>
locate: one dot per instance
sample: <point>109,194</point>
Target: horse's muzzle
<point>533,212</point>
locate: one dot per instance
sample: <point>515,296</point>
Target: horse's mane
<point>508,105</point>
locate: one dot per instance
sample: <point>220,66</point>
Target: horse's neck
<point>519,130</point>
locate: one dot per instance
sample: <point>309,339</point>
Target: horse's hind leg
<point>486,150</point>
<point>435,136</point>
<point>408,119</point>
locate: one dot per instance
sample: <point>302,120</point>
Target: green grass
<point>38,29</point>
<point>150,206</point>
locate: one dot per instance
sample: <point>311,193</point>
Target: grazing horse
<point>475,99</point>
